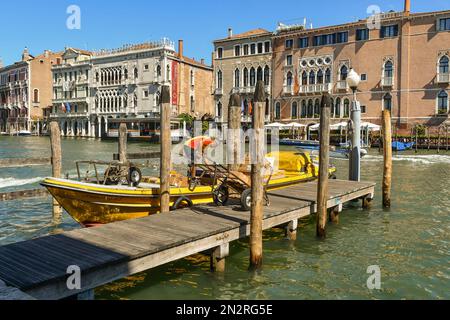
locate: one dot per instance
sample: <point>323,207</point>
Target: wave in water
<point>13,182</point>
<point>419,159</point>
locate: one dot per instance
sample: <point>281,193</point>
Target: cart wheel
<point>246,199</point>
<point>182,202</point>
<point>134,176</point>
<point>221,196</point>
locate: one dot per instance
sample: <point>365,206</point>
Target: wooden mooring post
<point>257,159</point>
<point>234,126</point>
<point>324,160</point>
<point>123,142</point>
<point>55,142</point>
<point>387,154</point>
<point>166,144</point>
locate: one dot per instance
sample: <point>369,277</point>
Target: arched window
<point>337,108</point>
<point>136,74</point>
<point>442,104</point>
<point>277,110</point>
<point>125,72</point>
<point>304,78</point>
<point>294,109</point>
<point>192,78</point>
<point>388,69</point>
<point>317,109</point>
<point>304,111</point>
<point>267,113</point>
<point>443,65</point>
<point>246,110</point>
<point>237,78</point>
<point>387,102</point>
<point>219,109</point>
<point>97,77</point>
<point>168,73</point>
<point>245,77</point>
<point>219,79</point>
<point>289,79</point>
<point>320,77</point>
<point>252,77</point>
<point>346,108</point>
<point>344,73</point>
<point>266,76</point>
<point>192,104</point>
<point>36,96</point>
<point>158,71</point>
<point>312,77</point>
<point>310,109</point>
<point>259,74</point>
<point>328,76</point>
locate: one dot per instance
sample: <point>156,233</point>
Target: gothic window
<point>337,108</point>
<point>304,109</point>
<point>259,74</point>
<point>312,77</point>
<point>387,102</point>
<point>252,77</point>
<point>266,76</point>
<point>277,110</point>
<point>310,109</point>
<point>442,104</point>
<point>219,79</point>
<point>304,78</point>
<point>320,77</point>
<point>317,109</point>
<point>388,69</point>
<point>344,73</point>
<point>328,76</point>
<point>245,77</point>
<point>237,78</point>
<point>346,108</point>
<point>289,79</point>
<point>294,110</point>
<point>443,65</point>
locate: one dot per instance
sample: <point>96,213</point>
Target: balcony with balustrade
<point>387,82</point>
<point>289,90</point>
<point>342,85</point>
<point>443,78</point>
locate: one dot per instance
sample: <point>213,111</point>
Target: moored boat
<point>92,203</point>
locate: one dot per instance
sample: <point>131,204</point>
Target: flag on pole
<point>68,107</point>
<point>63,108</point>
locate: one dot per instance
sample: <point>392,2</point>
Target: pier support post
<point>334,213</point>
<point>123,143</point>
<point>291,230</point>
<point>55,142</point>
<point>166,144</point>
<point>387,153</point>
<point>367,202</point>
<point>234,126</point>
<point>218,257</point>
<point>257,159</point>
<point>324,160</point>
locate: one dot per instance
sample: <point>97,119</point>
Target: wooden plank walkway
<point>111,252</point>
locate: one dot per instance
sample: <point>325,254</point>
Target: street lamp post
<point>353,80</point>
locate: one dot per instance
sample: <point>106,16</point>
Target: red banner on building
<point>175,83</point>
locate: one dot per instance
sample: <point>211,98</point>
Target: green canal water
<point>409,242</point>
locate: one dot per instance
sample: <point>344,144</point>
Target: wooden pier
<point>39,267</point>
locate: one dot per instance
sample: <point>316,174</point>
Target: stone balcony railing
<point>342,85</point>
<point>249,90</point>
<point>69,115</point>
<point>288,90</point>
<point>387,81</point>
<point>443,77</point>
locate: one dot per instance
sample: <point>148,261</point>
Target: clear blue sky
<point>109,24</point>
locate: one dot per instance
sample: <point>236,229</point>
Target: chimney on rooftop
<point>230,32</point>
<point>202,61</point>
<point>407,7</point>
<point>25,54</point>
<point>180,48</point>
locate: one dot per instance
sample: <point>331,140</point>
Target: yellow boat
<point>91,204</point>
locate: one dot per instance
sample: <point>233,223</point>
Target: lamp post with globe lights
<point>353,80</point>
